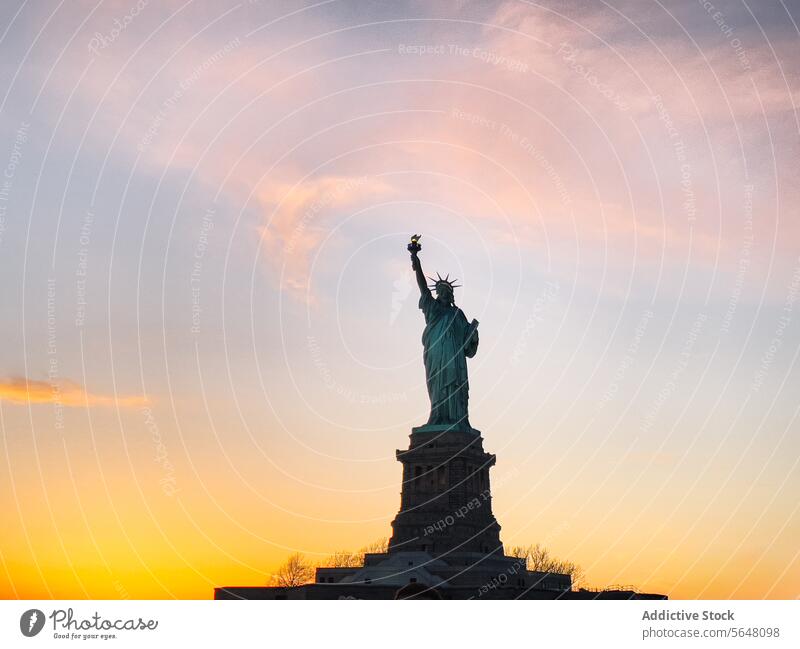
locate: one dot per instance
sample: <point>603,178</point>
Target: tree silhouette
<point>295,572</point>
<point>347,559</point>
<point>343,559</point>
<point>538,558</point>
<point>376,547</point>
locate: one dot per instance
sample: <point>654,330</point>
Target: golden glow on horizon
<point>106,530</point>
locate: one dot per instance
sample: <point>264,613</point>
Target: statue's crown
<point>437,283</point>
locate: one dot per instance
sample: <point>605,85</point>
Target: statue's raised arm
<point>414,247</point>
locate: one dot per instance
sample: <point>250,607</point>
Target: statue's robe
<point>448,341</point>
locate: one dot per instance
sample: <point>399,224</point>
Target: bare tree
<point>295,572</point>
<point>343,559</point>
<point>376,547</point>
<point>347,559</point>
<point>539,559</point>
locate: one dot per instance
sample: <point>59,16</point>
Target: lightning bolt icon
<point>32,620</point>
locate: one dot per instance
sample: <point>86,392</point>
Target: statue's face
<point>444,294</point>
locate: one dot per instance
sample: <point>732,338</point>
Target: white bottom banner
<point>400,623</point>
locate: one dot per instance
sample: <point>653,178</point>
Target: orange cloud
<point>20,390</point>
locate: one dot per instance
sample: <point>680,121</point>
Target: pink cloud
<point>556,175</point>
<point>297,218</point>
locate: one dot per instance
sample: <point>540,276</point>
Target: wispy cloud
<point>295,220</point>
<point>19,390</point>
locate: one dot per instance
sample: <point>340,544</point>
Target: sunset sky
<point>211,340</point>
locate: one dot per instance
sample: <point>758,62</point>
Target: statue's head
<point>444,293</point>
<point>444,289</point>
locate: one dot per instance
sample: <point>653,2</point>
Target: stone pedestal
<point>445,537</point>
<point>446,502</point>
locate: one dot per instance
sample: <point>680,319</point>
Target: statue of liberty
<point>448,341</point>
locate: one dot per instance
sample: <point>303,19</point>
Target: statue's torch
<point>414,247</point>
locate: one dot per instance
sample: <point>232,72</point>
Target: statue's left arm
<point>471,342</point>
